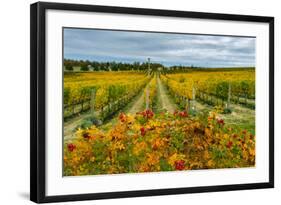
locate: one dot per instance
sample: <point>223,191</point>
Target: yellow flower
<point>118,146</point>
<point>175,157</point>
<point>152,158</point>
<point>92,159</point>
<point>130,119</point>
<point>140,146</point>
<point>157,143</point>
<point>210,163</point>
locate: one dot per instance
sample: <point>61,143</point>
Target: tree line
<point>86,65</point>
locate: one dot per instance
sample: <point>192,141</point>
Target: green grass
<point>239,118</point>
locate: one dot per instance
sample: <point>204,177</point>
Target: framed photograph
<point>129,102</point>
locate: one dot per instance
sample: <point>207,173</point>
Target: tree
<point>84,67</point>
<point>69,67</point>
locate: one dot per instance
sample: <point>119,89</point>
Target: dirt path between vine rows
<point>164,100</point>
<point>72,124</point>
<point>139,103</point>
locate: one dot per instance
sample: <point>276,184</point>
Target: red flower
<point>180,165</point>
<point>71,147</point>
<point>143,131</point>
<point>244,132</point>
<point>175,112</point>
<point>234,136</point>
<point>147,113</point>
<point>122,117</point>
<point>251,136</point>
<point>86,135</point>
<point>183,114</point>
<point>220,121</point>
<point>229,144</point>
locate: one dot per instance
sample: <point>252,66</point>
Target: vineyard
<point>137,121</point>
<point>103,91</point>
<point>214,88</point>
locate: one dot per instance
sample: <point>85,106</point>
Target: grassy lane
<point>72,124</point>
<point>164,101</point>
<point>138,105</point>
<point>240,117</point>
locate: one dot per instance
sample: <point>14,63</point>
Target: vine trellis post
<point>193,98</point>
<point>92,102</point>
<point>147,99</point>
<point>229,96</point>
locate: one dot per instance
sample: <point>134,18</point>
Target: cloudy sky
<point>168,49</point>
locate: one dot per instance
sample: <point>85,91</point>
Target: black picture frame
<point>38,100</point>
